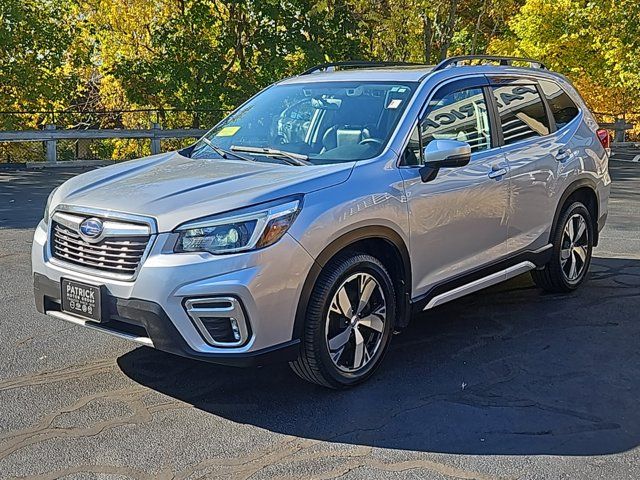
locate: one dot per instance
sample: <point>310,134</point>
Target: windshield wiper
<point>290,157</point>
<point>224,153</point>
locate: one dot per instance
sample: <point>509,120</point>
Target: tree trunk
<point>476,32</point>
<point>444,47</point>
<point>428,35</point>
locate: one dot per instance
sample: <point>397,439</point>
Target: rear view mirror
<point>320,103</point>
<point>444,154</point>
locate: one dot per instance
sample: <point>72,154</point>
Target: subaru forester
<point>317,218</point>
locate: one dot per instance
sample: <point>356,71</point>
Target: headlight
<point>48,206</point>
<point>240,232</point>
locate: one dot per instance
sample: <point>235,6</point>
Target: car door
<point>458,219</point>
<point>533,155</point>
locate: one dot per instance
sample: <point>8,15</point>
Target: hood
<point>173,188</point>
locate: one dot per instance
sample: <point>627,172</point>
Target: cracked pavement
<point>508,383</point>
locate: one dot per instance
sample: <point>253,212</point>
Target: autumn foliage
<point>97,63</point>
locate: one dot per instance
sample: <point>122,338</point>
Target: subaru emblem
<point>91,228</point>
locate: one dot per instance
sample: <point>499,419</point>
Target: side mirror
<point>444,154</point>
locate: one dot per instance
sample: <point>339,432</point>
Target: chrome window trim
<point>106,214</point>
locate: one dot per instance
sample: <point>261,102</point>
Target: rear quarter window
<point>562,107</point>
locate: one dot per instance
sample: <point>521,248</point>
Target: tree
<point>203,54</point>
<point>594,43</point>
<point>206,56</point>
<point>37,66</point>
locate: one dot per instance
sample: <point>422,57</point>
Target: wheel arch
<point>381,242</point>
<point>586,192</point>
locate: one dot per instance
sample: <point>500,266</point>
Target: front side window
<point>522,113</point>
<point>322,122</point>
<point>562,107</point>
<point>460,115</point>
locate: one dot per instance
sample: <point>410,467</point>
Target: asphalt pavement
<point>507,383</point>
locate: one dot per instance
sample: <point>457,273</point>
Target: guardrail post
<point>620,127</point>
<point>52,153</point>
<point>155,141</point>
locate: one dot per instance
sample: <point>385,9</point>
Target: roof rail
<point>330,66</point>
<point>508,61</point>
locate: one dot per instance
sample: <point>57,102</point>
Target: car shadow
<point>508,371</point>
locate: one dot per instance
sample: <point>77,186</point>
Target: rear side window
<point>562,107</point>
<point>522,113</point>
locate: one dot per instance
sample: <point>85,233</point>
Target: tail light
<point>604,137</point>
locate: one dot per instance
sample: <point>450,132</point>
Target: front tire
<point>349,322</point>
<point>572,247</point>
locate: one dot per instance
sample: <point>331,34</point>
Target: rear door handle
<point>563,155</point>
<point>500,172</point>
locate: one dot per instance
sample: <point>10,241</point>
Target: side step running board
<point>481,283</point>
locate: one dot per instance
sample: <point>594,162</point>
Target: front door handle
<point>500,172</point>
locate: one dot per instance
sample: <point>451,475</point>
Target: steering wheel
<point>368,141</point>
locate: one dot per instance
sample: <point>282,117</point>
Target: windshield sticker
<point>393,104</point>
<point>227,132</point>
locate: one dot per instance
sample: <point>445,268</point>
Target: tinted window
<point>522,113</point>
<point>460,115</point>
<point>562,107</point>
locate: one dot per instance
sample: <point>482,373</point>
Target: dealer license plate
<point>82,300</point>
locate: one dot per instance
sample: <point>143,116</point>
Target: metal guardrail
<point>50,135</point>
<point>619,127</point>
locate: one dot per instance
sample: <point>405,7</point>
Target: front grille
<point>119,255</point>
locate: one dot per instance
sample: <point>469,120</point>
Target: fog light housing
<point>220,320</point>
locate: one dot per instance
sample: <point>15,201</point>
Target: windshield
<point>321,122</point>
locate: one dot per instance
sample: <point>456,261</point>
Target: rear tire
<point>572,241</point>
<point>349,322</point>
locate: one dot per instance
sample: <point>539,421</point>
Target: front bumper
<point>151,310</point>
<point>146,323</point>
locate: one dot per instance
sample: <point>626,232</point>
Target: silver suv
<point>311,223</point>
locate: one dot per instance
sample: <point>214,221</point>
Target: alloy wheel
<point>355,322</point>
<point>575,247</point>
